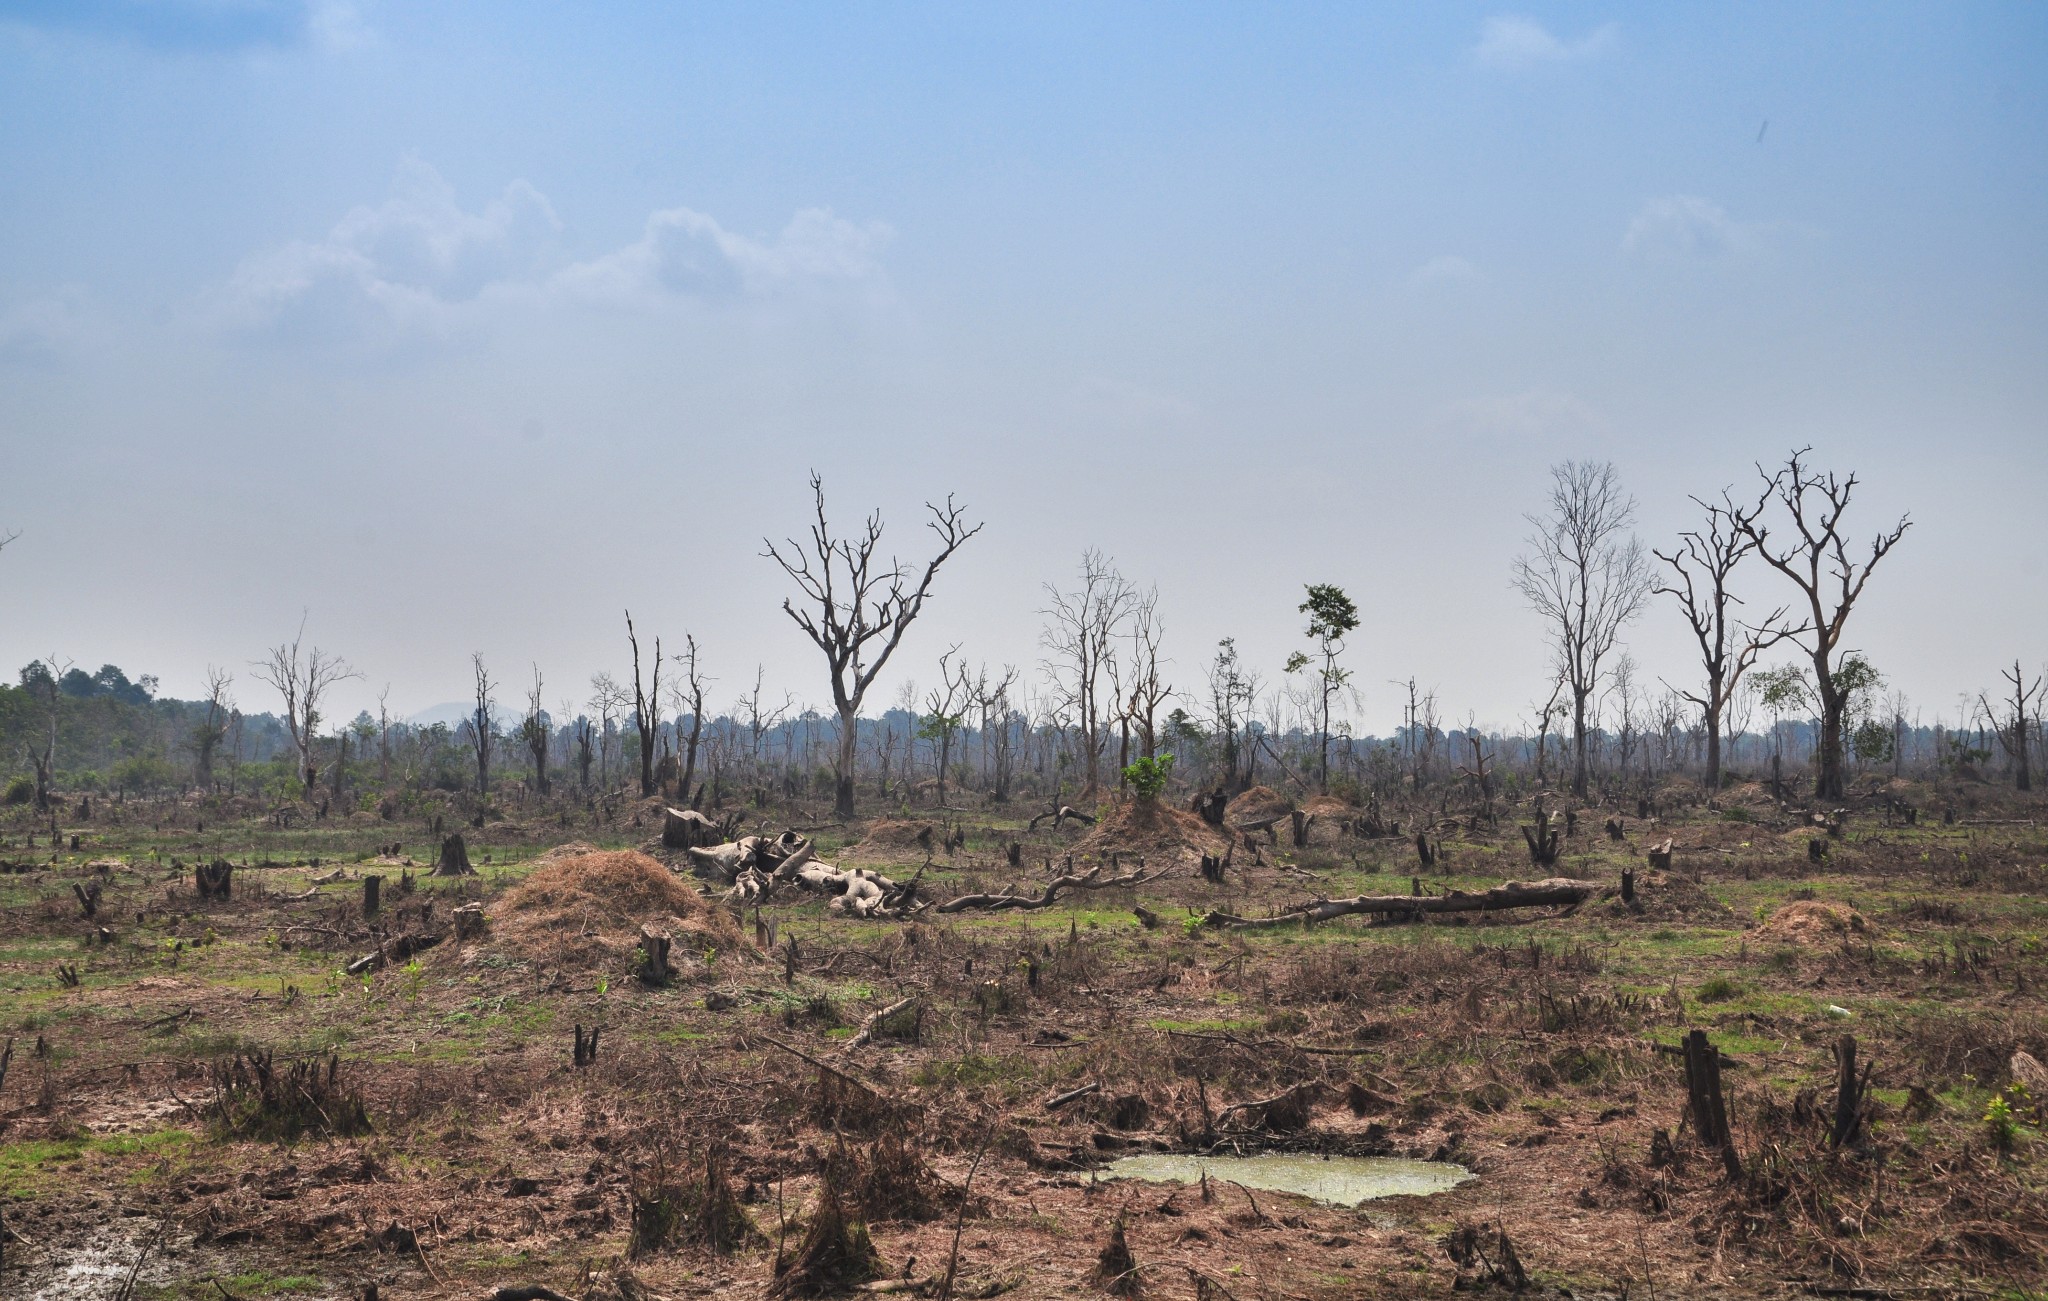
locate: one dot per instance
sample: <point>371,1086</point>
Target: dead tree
<point>1584,573</point>
<point>2013,735</point>
<point>1847,1125</point>
<point>1815,557</point>
<point>483,729</point>
<point>646,709</point>
<point>213,728</point>
<point>302,678</point>
<point>691,696</point>
<point>1702,562</point>
<point>537,734</point>
<point>1557,892</point>
<point>857,608</point>
<point>1083,628</point>
<point>1704,1101</point>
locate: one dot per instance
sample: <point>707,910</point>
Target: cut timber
<point>875,1021</point>
<point>1094,880</point>
<point>1063,814</point>
<point>1557,892</point>
<point>454,860</point>
<point>688,829</point>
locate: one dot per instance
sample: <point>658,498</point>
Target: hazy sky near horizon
<point>462,327</point>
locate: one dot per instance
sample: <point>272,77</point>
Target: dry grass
<point>585,909</point>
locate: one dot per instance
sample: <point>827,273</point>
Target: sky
<point>453,328</point>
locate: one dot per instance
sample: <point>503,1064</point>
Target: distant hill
<point>454,713</point>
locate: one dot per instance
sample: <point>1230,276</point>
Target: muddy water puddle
<point>1338,1180</point>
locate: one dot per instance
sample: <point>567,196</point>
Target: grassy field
<point>205,1084</point>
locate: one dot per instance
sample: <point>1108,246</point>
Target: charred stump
<point>454,860</point>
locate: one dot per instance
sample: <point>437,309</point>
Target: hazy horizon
<point>465,329</point>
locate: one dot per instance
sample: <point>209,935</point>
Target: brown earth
<point>1154,831</point>
<point>1258,803</point>
<point>584,908</point>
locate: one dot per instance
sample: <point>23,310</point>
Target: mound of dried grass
<point>584,908</point>
<point>1154,831</point>
<point>1256,805</point>
<point>1808,920</point>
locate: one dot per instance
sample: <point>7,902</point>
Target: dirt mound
<point>1256,805</point>
<point>1154,831</point>
<point>1809,920</point>
<point>1666,899</point>
<point>584,908</point>
<point>1327,806</point>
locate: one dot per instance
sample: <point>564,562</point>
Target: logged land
<point>213,1097</point>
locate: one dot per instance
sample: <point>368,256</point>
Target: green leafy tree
<point>1331,617</point>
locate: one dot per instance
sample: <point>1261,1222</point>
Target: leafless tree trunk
<point>483,728</point>
<point>538,734</point>
<point>1584,573</point>
<point>855,607</point>
<point>384,738</point>
<point>646,707</point>
<point>691,696</point>
<point>943,712</point>
<point>302,678</point>
<point>2013,734</point>
<point>1702,562</point>
<point>208,735</point>
<point>1081,637</point>
<point>1148,689</point>
<point>607,697</point>
<point>1815,557</point>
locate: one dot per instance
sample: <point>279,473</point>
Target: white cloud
<point>421,263</point>
<point>684,253</point>
<point>409,259</point>
<point>1511,41</point>
<point>1687,228</point>
<point>1447,269</point>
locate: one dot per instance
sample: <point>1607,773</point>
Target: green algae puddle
<point>1339,1180</point>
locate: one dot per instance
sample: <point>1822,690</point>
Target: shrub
<point>1719,989</point>
<point>1147,777</point>
<point>19,791</point>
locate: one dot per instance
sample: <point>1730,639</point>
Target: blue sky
<point>463,326</point>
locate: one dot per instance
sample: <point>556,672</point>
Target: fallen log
<point>1556,892</point>
<point>875,1020</point>
<point>396,951</point>
<point>1094,880</point>
<point>1064,813</point>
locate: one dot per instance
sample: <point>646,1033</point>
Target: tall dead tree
<point>998,730</point>
<point>646,707</point>
<point>857,608</point>
<point>945,713</point>
<point>1081,635</point>
<point>212,728</point>
<point>1702,563</point>
<point>483,725</point>
<point>607,697</point>
<point>1148,689</point>
<point>535,731</point>
<point>2013,735</point>
<point>302,677</point>
<point>690,696</point>
<point>1815,556</point>
<point>1584,573</point>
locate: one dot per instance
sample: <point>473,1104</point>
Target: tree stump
<point>1628,883</point>
<point>1816,850</point>
<point>653,969</point>
<point>1615,829</point>
<point>454,860</point>
<point>586,1048</point>
<point>88,899</point>
<point>214,880</point>
<point>1424,850</point>
<point>1660,855</point>
<point>469,921</point>
<point>1704,1102</point>
<point>1300,820</point>
<point>372,887</point>
<point>1849,1091</point>
<point>1014,855</point>
<point>1542,839</point>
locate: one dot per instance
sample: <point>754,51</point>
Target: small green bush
<point>19,791</point>
<point>1719,989</point>
<point>1147,777</point>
